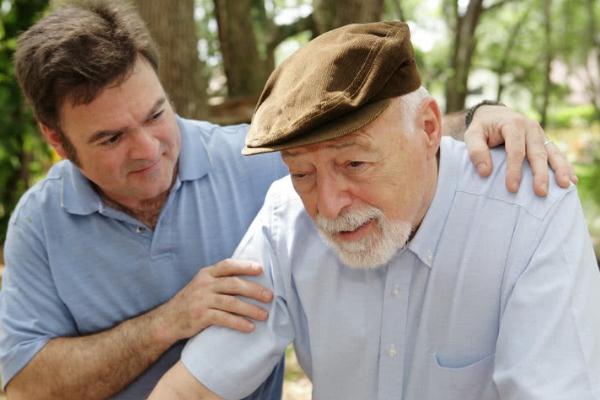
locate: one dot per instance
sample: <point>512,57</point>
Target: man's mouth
<point>146,168</point>
<point>356,233</point>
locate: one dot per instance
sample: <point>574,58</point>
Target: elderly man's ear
<point>429,123</point>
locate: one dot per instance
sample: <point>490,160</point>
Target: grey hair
<point>409,105</point>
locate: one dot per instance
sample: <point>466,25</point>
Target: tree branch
<point>398,9</point>
<point>282,32</point>
<point>497,4</point>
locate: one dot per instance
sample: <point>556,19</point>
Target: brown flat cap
<point>336,84</point>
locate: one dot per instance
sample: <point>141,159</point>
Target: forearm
<point>92,367</point>
<point>179,384</point>
<point>454,125</point>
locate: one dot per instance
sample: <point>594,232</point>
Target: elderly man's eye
<point>355,164</point>
<point>157,115</point>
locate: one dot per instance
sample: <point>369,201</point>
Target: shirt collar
<point>425,241</point>
<point>79,196</point>
<point>194,159</point>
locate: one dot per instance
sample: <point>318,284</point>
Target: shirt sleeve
<point>233,364</point>
<point>549,341</point>
<point>31,311</point>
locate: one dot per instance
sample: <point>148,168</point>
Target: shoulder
<point>284,213</point>
<point>493,188</point>
<point>282,197</point>
<point>44,196</point>
<point>224,145</point>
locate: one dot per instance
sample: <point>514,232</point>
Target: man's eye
<point>114,139</point>
<point>157,115</point>
<point>355,164</point>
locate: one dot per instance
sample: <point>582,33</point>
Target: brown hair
<point>75,52</point>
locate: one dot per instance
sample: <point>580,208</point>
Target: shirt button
<point>396,290</point>
<point>392,351</point>
<point>140,229</point>
<point>429,256</point>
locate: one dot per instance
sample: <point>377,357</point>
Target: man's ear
<point>430,123</point>
<point>54,138</point>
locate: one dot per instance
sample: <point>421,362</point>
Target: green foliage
<point>589,176</point>
<point>570,116</point>
<point>23,153</point>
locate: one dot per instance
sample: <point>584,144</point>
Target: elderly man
<point>398,272</point>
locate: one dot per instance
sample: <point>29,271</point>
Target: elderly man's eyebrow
<point>335,144</point>
<point>159,103</point>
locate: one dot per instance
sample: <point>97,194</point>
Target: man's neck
<point>147,211</point>
<point>429,194</point>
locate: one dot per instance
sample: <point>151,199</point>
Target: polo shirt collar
<point>79,196</point>
<point>194,159</point>
<point>425,241</point>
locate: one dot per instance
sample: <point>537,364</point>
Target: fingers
<point>479,152</point>
<point>515,154</point>
<point>226,280</point>
<point>537,156</point>
<point>563,170</point>
<point>239,287</point>
<point>230,267</point>
<point>234,305</point>
<point>228,320</point>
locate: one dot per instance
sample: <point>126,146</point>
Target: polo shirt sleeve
<point>233,364</point>
<point>549,340</point>
<point>31,311</point>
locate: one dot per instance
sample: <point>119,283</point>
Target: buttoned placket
<point>393,327</point>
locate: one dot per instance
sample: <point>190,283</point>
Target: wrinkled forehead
<point>360,140</point>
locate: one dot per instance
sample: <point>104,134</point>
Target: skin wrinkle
<point>130,156</point>
<point>356,189</point>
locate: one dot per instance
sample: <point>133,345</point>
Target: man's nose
<point>144,145</point>
<point>333,196</point>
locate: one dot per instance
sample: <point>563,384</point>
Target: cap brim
<point>344,125</point>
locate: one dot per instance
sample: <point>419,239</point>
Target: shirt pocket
<point>469,382</point>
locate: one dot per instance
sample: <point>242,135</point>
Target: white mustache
<point>349,221</point>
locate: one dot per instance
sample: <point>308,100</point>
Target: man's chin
<point>370,254</point>
<point>362,260</point>
<point>373,250</point>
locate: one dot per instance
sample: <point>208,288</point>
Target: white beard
<point>372,251</point>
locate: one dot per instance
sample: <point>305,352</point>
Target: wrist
<point>471,111</point>
<point>160,330</point>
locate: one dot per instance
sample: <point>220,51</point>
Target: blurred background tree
<point>23,153</point>
<point>540,56</point>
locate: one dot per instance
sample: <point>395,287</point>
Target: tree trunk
<point>398,10</point>
<point>330,14</point>
<point>173,27</point>
<point>460,62</point>
<point>246,72</point>
<point>548,55</point>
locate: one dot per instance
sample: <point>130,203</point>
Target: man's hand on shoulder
<point>211,298</point>
<point>494,125</point>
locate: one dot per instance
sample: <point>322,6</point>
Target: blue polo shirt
<point>494,298</point>
<point>75,266</point>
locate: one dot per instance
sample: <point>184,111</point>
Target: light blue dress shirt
<point>75,266</point>
<point>496,297</point>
